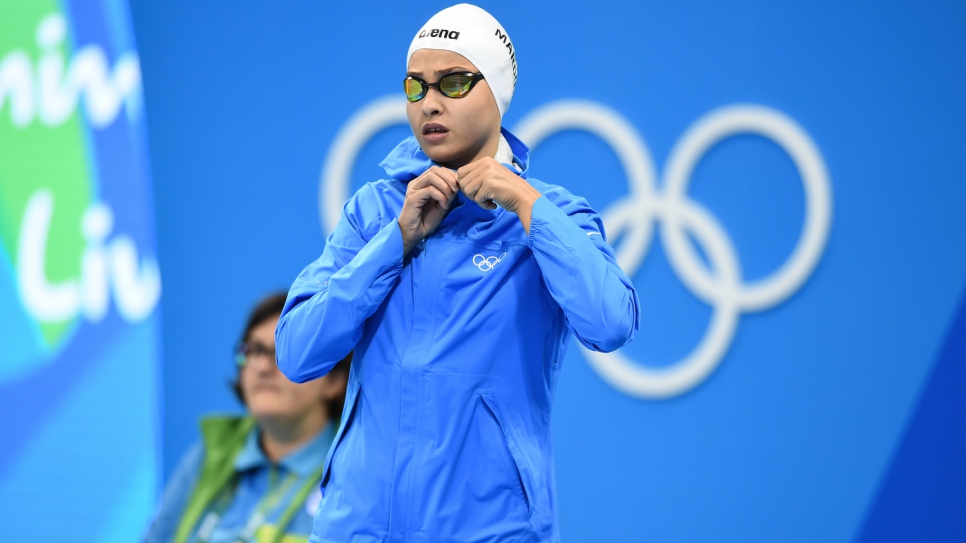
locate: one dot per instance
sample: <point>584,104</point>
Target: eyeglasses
<point>246,352</point>
<point>455,85</point>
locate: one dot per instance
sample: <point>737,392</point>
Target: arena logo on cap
<point>440,33</point>
<point>647,203</point>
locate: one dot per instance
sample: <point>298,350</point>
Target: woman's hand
<point>489,183</point>
<point>428,198</point>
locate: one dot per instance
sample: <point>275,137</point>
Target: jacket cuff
<point>547,223</point>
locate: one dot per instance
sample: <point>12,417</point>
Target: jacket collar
<point>408,161</point>
<point>303,461</point>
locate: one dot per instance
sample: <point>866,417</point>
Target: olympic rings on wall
<point>636,214</point>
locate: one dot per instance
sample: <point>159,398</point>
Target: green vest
<point>224,438</point>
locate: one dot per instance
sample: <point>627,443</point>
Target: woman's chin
<point>438,156</point>
<point>268,409</point>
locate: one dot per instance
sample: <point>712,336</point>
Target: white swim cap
<point>472,32</point>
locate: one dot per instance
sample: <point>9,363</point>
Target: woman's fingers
<point>419,196</point>
<point>470,187</point>
<point>473,184</point>
<point>450,177</point>
<point>441,178</point>
<point>416,220</point>
<point>470,168</point>
<point>433,193</point>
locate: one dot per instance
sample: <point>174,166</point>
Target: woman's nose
<point>264,363</point>
<point>430,103</point>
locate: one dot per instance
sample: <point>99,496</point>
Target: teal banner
<point>79,278</point>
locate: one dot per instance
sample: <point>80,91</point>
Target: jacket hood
<point>408,161</point>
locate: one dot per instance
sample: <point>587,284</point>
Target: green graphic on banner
<point>58,245</point>
<point>79,283</point>
<point>38,157</point>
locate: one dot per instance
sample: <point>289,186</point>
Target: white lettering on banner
<point>52,91</point>
<point>634,215</point>
<point>105,265</point>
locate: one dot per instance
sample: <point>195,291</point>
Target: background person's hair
<point>271,306</point>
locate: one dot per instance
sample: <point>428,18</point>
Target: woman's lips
<point>434,132</point>
<point>265,387</point>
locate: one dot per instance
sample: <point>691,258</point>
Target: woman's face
<point>452,131</point>
<point>267,392</point>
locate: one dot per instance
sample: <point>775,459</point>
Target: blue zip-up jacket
<point>445,434</point>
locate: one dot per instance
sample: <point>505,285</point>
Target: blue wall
<point>807,427</point>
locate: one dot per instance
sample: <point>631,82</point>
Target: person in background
<point>255,477</point>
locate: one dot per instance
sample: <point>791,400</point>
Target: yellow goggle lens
<point>414,89</point>
<point>455,85</point>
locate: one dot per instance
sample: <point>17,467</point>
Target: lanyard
<point>270,502</point>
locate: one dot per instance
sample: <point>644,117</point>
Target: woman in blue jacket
<point>254,477</point>
<point>457,280</point>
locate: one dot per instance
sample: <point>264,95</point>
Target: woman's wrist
<point>524,207</point>
<point>409,242</point>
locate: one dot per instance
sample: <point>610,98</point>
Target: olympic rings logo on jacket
<point>486,263</point>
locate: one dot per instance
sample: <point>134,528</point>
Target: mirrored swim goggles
<point>455,85</point>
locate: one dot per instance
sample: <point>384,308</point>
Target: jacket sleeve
<point>581,272</point>
<point>331,299</point>
<point>177,494</point>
